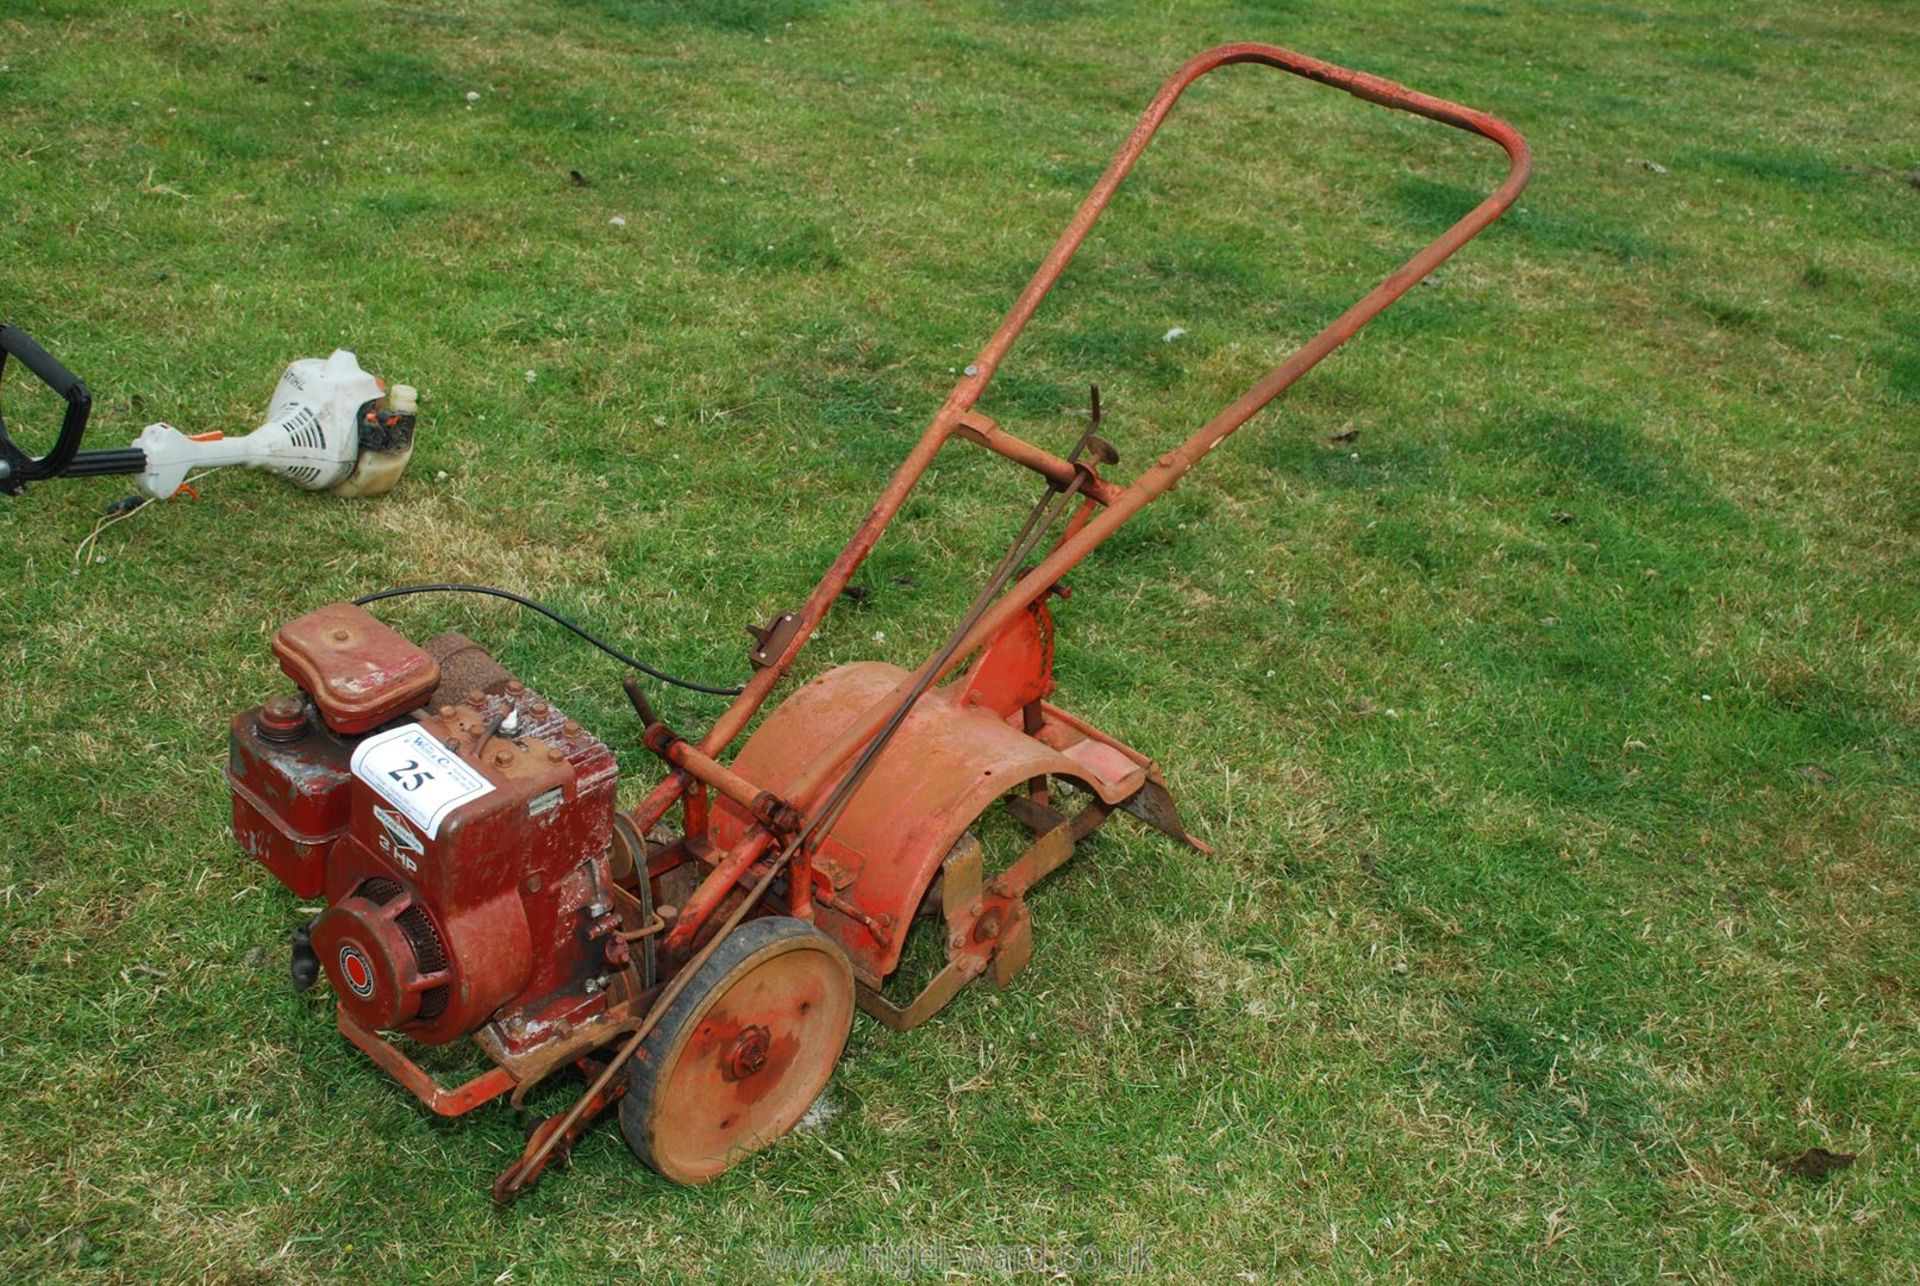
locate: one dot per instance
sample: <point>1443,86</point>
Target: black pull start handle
<point>17,468</point>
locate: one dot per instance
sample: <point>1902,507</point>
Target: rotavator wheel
<point>742,1051</point>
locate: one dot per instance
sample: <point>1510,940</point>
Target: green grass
<point>1558,736</point>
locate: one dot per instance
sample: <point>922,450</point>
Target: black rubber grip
<point>17,343</point>
<point>100,464</point>
<point>19,467</point>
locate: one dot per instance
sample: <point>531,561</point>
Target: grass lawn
<point>1556,727</point>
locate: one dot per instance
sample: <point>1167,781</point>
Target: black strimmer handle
<point>17,468</point>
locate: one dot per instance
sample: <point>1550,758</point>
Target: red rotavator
<point>478,879</point>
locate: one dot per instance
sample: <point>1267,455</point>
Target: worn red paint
<point>489,924</point>
<point>511,902</point>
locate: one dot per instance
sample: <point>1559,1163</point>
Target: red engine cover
<point>494,909</point>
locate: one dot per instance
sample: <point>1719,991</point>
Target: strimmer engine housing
<point>330,427</point>
<point>458,826</point>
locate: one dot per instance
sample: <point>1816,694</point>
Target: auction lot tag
<point>412,770</point>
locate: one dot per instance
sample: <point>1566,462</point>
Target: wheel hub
<point>749,1053</point>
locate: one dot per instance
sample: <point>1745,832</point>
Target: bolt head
<point>989,927</point>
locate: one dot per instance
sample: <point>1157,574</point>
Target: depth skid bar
<point>552,1138</point>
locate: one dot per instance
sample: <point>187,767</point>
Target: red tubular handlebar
<point>1167,470</point>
